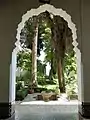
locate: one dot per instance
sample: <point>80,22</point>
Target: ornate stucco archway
<point>54,11</point>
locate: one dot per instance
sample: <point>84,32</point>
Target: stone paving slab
<point>50,117</point>
<point>46,112</point>
<point>52,110</point>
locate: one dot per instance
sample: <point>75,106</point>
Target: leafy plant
<point>70,73</point>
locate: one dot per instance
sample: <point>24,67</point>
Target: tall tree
<point>34,55</point>
<point>60,36</point>
<point>31,33</point>
<point>45,36</point>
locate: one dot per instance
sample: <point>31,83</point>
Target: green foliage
<point>39,89</point>
<point>70,73</point>
<point>45,43</point>
<point>21,94</point>
<point>24,60</point>
<point>27,77</point>
<point>45,35</point>
<point>41,72</point>
<point>21,91</point>
<point>18,86</point>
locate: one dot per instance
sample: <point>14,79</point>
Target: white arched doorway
<point>36,12</point>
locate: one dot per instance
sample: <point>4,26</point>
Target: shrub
<point>21,92</point>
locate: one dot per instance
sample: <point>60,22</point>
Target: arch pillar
<point>6,101</point>
<point>85,64</point>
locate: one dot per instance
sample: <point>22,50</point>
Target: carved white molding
<point>55,11</point>
<point>51,9</point>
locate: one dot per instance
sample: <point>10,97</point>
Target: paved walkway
<point>40,110</point>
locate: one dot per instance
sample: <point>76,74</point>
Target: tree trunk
<point>60,76</point>
<point>58,29</point>
<point>34,56</point>
<point>51,70</point>
<point>63,79</point>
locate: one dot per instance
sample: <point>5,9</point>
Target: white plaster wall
<point>60,12</point>
<point>10,16</point>
<point>86,49</point>
<point>13,76</point>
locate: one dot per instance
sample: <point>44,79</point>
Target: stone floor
<point>35,112</point>
<point>40,110</point>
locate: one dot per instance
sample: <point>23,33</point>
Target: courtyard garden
<point>47,61</point>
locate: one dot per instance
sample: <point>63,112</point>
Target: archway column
<point>6,99</point>
<point>84,101</point>
<point>13,76</point>
<point>85,21</point>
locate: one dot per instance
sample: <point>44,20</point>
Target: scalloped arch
<point>54,11</point>
<point>66,17</point>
